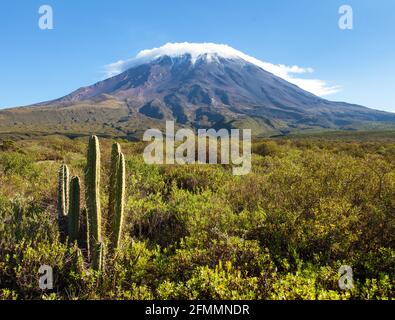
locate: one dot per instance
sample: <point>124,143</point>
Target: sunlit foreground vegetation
<point>198,232</point>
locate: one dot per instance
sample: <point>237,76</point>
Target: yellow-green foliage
<point>198,232</point>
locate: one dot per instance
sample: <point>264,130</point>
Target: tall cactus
<point>116,196</point>
<point>74,209</point>
<point>115,153</point>
<point>63,200</point>
<point>92,195</point>
<point>63,191</point>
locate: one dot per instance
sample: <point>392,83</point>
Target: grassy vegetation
<point>310,205</point>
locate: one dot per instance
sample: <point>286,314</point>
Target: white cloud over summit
<point>315,86</point>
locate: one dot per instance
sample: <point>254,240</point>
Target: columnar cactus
<point>92,195</point>
<point>115,153</point>
<point>116,196</point>
<point>63,191</point>
<point>74,209</point>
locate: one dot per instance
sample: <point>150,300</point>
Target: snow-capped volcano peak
<point>211,52</point>
<point>195,50</point>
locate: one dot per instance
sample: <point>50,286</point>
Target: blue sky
<point>38,65</point>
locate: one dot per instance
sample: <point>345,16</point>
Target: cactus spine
<point>63,191</point>
<point>101,255</point>
<point>116,195</point>
<point>74,209</point>
<point>92,190</point>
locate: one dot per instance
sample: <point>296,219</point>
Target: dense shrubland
<point>198,232</point>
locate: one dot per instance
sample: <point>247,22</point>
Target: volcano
<point>212,87</point>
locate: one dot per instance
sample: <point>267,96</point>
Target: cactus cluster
<point>69,203</point>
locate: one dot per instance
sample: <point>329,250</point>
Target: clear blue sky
<point>39,65</point>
